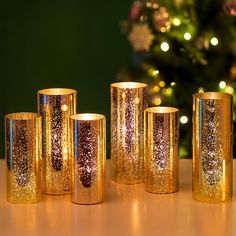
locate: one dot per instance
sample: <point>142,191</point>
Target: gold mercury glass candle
<point>88,133</point>
<point>212,146</point>
<point>161,155</point>
<point>23,157</point>
<point>128,101</point>
<point>56,105</point>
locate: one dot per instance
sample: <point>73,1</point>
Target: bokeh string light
<point>181,48</point>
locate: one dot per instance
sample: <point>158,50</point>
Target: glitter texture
<point>212,147</point>
<point>128,101</point>
<point>161,150</point>
<point>56,106</point>
<point>23,156</point>
<point>88,158</point>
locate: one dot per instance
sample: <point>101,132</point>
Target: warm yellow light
<point>172,84</point>
<point>176,21</point>
<point>64,108</point>
<point>183,119</point>
<point>168,91</point>
<point>187,36</point>
<point>156,88</point>
<point>156,72</point>
<point>229,89</point>
<point>153,72</point>
<point>214,41</point>
<point>163,29</point>
<point>201,90</point>
<point>162,84</point>
<point>222,84</point>
<point>148,4</point>
<point>165,46</point>
<point>157,101</point>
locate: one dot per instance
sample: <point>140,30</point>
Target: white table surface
<point>128,210</point>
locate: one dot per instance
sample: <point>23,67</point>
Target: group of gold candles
<point>57,151</point>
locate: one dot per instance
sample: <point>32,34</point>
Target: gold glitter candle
<point>88,132</point>
<point>212,146</point>
<point>128,101</point>
<point>23,157</point>
<point>56,105</point>
<point>161,149</point>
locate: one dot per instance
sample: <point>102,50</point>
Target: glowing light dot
<point>229,89</point>
<point>162,84</point>
<point>172,84</point>
<point>214,41</point>
<point>155,5</point>
<point>187,36</point>
<point>163,29</point>
<point>156,72</point>
<point>165,46</point>
<point>64,108</point>
<point>157,101</point>
<point>153,72</point>
<point>201,90</point>
<point>156,88</point>
<point>148,4</point>
<point>168,91</point>
<point>183,119</point>
<point>222,84</point>
<point>176,21</point>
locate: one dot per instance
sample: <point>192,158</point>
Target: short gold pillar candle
<point>212,146</point>
<point>161,152</point>
<point>128,101</point>
<point>23,157</point>
<point>56,105</point>
<point>88,133</point>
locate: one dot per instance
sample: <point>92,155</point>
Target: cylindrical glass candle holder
<point>161,149</point>
<point>88,133</point>
<point>212,146</point>
<point>128,101</point>
<point>56,105</point>
<point>23,157</point>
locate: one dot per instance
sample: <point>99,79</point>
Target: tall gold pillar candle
<point>23,157</point>
<point>88,133</point>
<point>128,101</point>
<point>161,149</point>
<point>56,105</point>
<point>212,146</point>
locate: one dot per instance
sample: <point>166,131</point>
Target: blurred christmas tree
<point>182,47</point>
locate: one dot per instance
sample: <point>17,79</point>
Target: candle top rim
<point>212,95</point>
<point>161,109</point>
<point>22,116</point>
<point>128,85</point>
<point>87,117</point>
<point>57,91</point>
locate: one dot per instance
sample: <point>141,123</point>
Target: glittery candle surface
<point>128,101</point>
<point>56,106</point>
<point>212,147</point>
<point>23,157</point>
<point>88,133</point>
<point>161,162</point>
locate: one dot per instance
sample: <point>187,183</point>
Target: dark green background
<point>75,44</point>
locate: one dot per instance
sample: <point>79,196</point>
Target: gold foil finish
<point>128,101</point>
<point>161,161</point>
<point>23,157</point>
<point>56,106</point>
<point>212,147</point>
<point>88,133</point>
